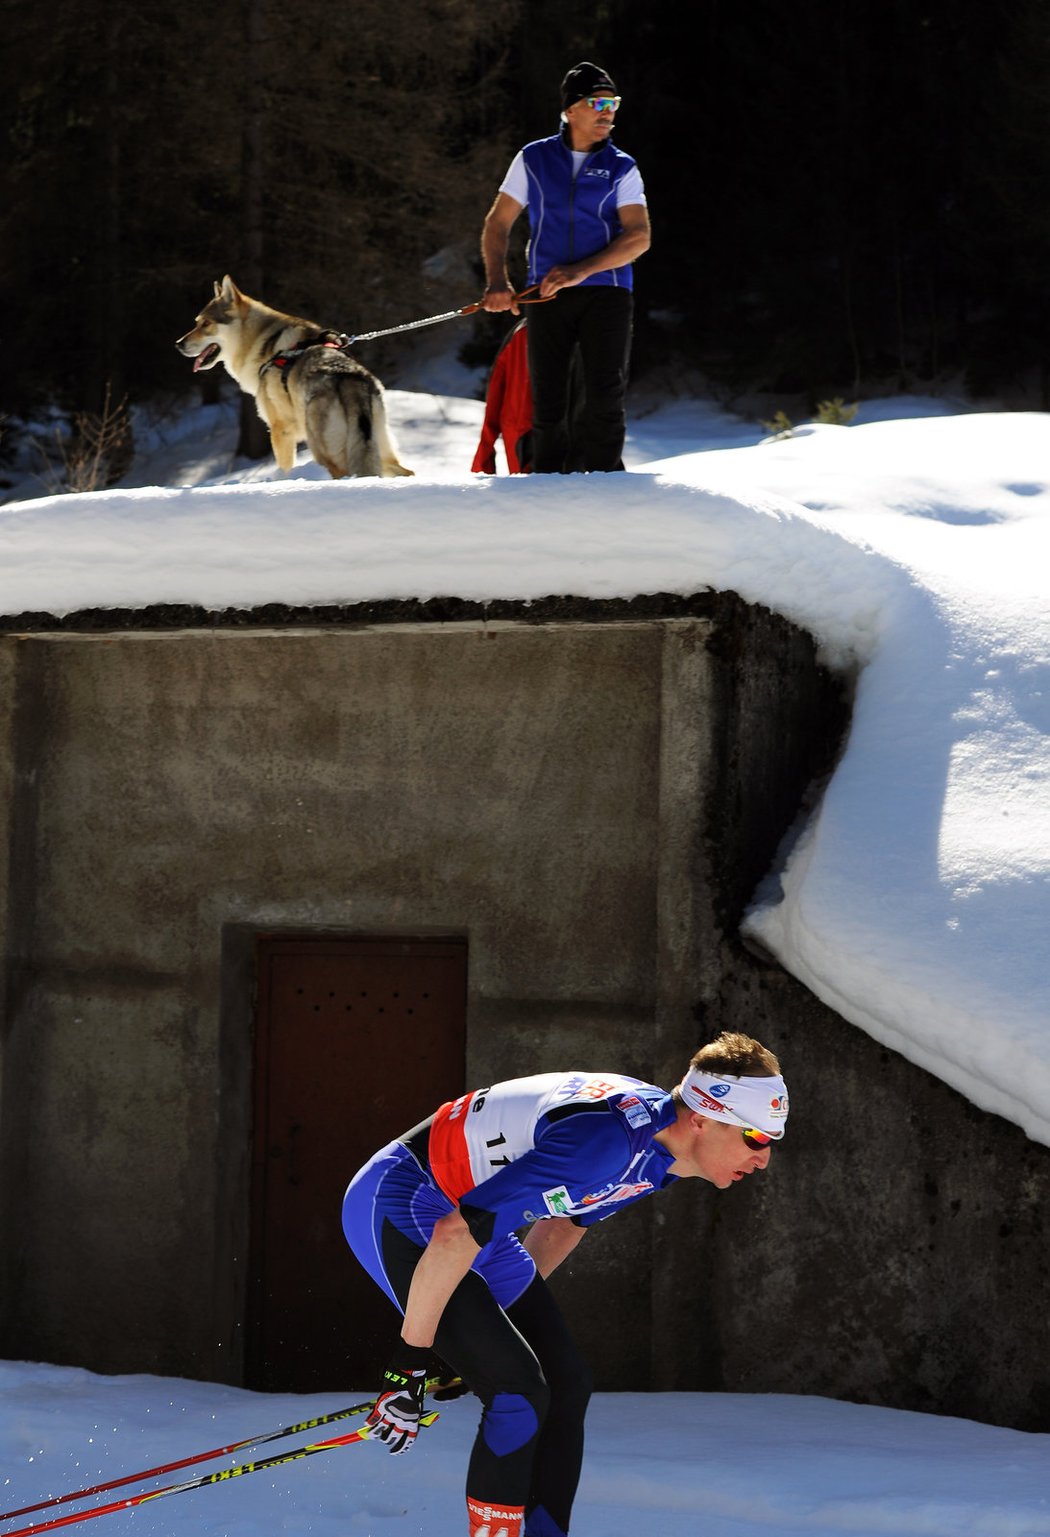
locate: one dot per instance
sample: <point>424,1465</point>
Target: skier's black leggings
<point>525,1367</point>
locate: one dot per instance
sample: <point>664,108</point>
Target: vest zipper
<point>574,178</point>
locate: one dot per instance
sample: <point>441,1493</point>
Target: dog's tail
<point>390,463</point>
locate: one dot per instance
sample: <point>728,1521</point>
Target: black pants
<point>597,320</point>
<point>525,1367</point>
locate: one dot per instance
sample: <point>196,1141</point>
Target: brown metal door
<point>356,1040</point>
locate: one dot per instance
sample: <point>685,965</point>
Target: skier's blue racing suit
<point>575,1145</point>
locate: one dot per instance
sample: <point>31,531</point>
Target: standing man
<point>588,222</point>
<point>433,1218</point>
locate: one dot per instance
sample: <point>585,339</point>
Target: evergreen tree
<point>843,197</point>
<point>319,154</point>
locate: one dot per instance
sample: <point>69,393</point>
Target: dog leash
<point>341,341</point>
<point>433,320</point>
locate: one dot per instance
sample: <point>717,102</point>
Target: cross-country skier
<point>433,1218</point>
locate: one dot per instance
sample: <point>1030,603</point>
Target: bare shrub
<point>92,452</point>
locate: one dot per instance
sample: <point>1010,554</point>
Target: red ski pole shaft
<point>187,1462</point>
<point>200,1483</point>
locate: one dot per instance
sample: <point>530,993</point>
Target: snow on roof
<point>916,901</point>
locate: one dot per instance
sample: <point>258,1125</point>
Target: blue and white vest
<point>572,218</point>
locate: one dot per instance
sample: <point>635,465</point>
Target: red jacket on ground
<point>508,408</point>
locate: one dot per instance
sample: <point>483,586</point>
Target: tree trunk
<point>106,379</point>
<point>253,441</point>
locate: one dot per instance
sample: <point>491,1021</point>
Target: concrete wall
<point>902,1241</point>
<point>497,781</point>
<point>591,805</point>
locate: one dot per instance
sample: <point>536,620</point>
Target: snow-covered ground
<point>914,545</point>
<point>721,1465</point>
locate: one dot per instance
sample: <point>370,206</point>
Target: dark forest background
<point>846,197</point>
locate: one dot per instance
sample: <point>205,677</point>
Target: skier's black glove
<point>395,1418</point>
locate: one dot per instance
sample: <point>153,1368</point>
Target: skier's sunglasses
<point>604,103</point>
<point>756,1139</point>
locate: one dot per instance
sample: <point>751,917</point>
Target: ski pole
<point>206,1478</point>
<point>187,1462</point>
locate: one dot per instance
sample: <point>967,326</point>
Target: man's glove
<point>395,1418</point>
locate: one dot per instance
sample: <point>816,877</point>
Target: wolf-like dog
<point>306,388</point>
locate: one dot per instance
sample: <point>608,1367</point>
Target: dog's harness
<point>338,340</point>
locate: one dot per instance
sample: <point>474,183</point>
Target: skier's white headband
<point>760,1104</point>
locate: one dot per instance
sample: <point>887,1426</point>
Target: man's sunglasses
<point>756,1139</point>
<point>604,103</point>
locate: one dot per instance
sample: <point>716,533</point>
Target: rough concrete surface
<point>588,797</point>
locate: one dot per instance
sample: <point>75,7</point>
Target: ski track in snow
<point>732,1465</point>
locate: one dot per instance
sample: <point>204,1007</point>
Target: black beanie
<point>585,80</point>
